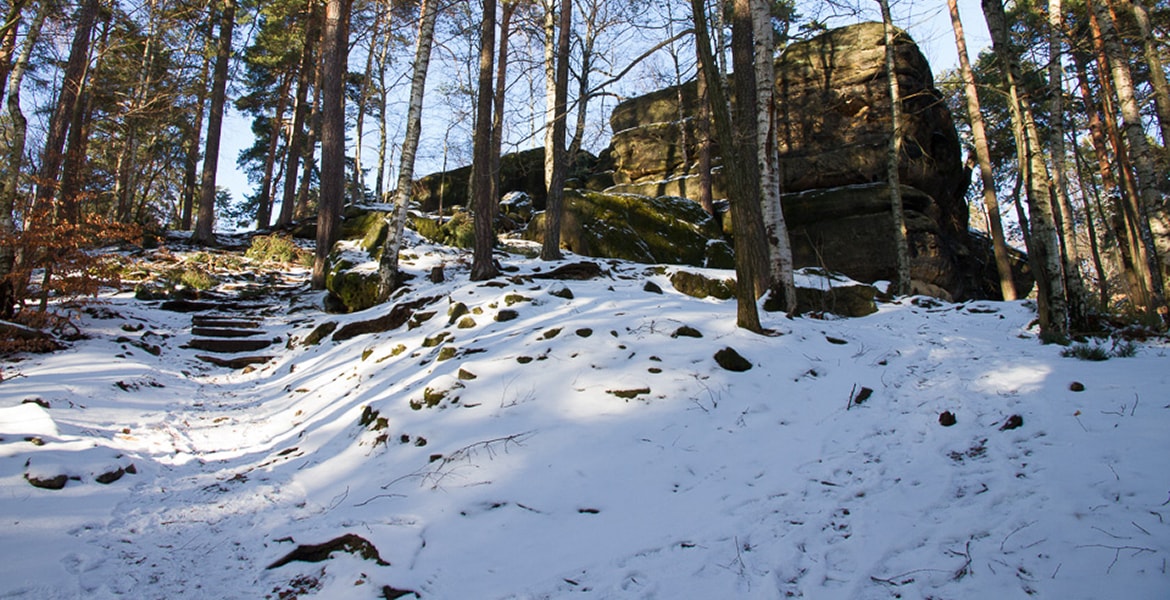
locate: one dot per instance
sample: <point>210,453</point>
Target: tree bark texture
<point>388,262</point>
<point>551,248</point>
<point>205,224</point>
<point>71,84</point>
<point>1003,265</point>
<point>901,244</point>
<point>1074,285</point>
<point>332,198</point>
<point>482,264</point>
<point>1044,246</point>
<point>1140,152</point>
<point>781,285</point>
<point>738,173</point>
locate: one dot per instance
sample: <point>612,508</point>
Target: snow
<point>536,477</point>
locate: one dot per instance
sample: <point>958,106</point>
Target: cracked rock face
<point>833,122</point>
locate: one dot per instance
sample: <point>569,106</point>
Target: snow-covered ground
<point>583,450</point>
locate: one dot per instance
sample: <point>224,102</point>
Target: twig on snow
<point>966,569</point>
<point>369,500</point>
<point>1117,552</point>
<point>440,466</point>
<point>1013,532</point>
<point>1114,536</point>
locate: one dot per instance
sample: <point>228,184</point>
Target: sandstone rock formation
<point>834,127</point>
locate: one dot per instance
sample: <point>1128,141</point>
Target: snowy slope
<point>620,464</point>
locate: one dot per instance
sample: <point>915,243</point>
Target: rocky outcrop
<point>638,228</point>
<point>519,172</point>
<point>834,127</point>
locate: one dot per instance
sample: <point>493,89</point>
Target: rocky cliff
<point>834,127</point>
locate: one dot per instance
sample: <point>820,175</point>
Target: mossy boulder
<point>352,284</point>
<point>458,230</point>
<point>362,222</point>
<point>630,227</point>
<point>850,300</point>
<point>519,172</point>
<point>701,286</point>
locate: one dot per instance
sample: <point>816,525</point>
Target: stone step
<point>234,363</point>
<point>189,306</point>
<point>224,321</point>
<point>228,346</point>
<point>224,332</point>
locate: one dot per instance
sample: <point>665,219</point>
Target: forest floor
<point>570,438</point>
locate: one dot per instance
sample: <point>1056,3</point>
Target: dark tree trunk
<point>264,210</point>
<point>63,113</point>
<point>551,248</point>
<point>483,266</point>
<point>332,197</point>
<point>738,172</point>
<point>194,135</point>
<point>298,138</point>
<point>205,224</point>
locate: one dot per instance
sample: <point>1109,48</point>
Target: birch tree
<point>1043,245</point>
<point>893,156</point>
<point>781,286</point>
<point>388,262</point>
<point>1074,284</point>
<point>1140,152</point>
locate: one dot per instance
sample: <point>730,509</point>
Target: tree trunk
<point>588,43</point>
<point>388,263</point>
<point>301,208</point>
<point>703,132</point>
<point>359,133</point>
<point>205,224</point>
<point>10,175</point>
<point>901,244</point>
<point>264,210</point>
<point>1003,263</point>
<point>191,152</point>
<point>483,265</point>
<point>1132,252</point>
<point>332,198</point>
<point>1140,153</point>
<point>1044,247</point>
<point>75,69</point>
<point>738,173</point>
<point>1157,70</point>
<point>551,248</point>
<point>1133,219</point>
<point>8,32</point>
<point>383,132</point>
<point>781,285</point>
<point>549,24</point>
<point>1094,241</point>
<point>1074,285</point>
<point>500,93</point>
<point>298,143</point>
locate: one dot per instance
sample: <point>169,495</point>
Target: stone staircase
<point>230,330</point>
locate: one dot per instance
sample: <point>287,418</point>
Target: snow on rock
<point>530,478</point>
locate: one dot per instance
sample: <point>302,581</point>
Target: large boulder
<point>834,127</point>
<point>519,172</point>
<point>638,228</point>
